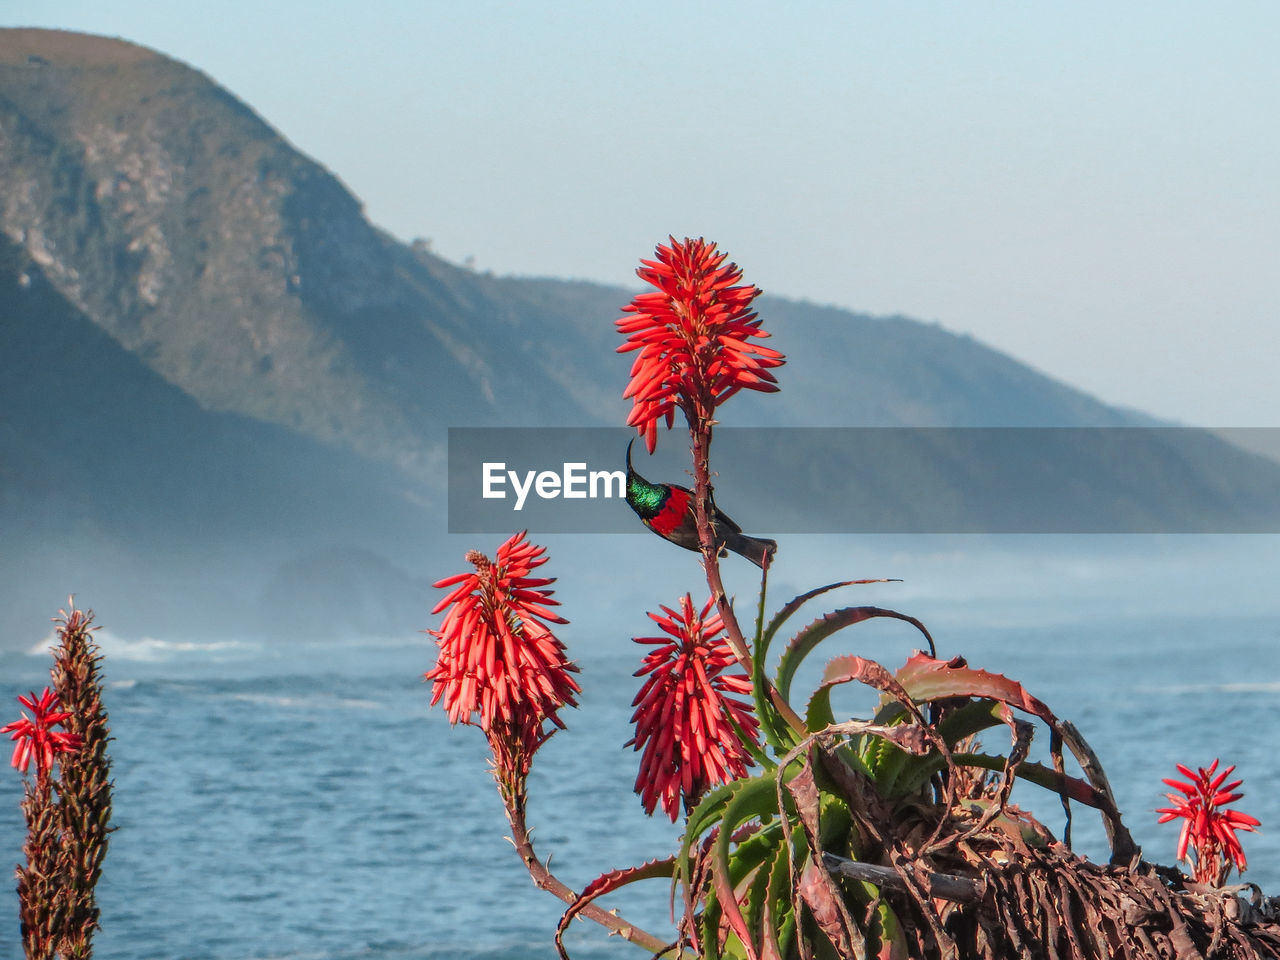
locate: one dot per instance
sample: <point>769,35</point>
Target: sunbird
<point>667,510</point>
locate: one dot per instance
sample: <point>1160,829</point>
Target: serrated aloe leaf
<point>755,905</point>
<point>926,678</point>
<point>883,760</point>
<point>707,812</point>
<point>889,770</point>
<point>612,880</point>
<point>815,884</point>
<point>888,929</point>
<point>717,809</point>
<point>777,732</point>
<point>729,909</point>
<point>760,846</point>
<point>836,819</point>
<point>705,815</point>
<point>818,713</point>
<point>874,753</point>
<point>826,907</point>
<point>781,617</point>
<point>757,797</point>
<point>969,719</point>
<point>787,931</point>
<point>914,773</point>
<point>803,643</point>
<point>778,909</point>
<point>850,669</point>
<point>710,926</point>
<point>890,711</point>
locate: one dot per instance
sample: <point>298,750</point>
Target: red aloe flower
<point>684,720</point>
<point>497,656</point>
<point>1209,829</point>
<point>694,337</point>
<point>37,740</point>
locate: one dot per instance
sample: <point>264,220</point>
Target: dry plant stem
<point>1123,848</point>
<point>942,885</point>
<point>700,432</point>
<point>40,890</point>
<point>544,879</point>
<point>85,780</point>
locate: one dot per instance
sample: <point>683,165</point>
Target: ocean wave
<point>307,702</point>
<point>1253,686</point>
<point>152,650</point>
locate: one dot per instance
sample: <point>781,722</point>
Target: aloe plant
<point>792,860</point>
<point>808,835</point>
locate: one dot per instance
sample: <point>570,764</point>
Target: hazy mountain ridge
<point>246,274</point>
<point>240,360</point>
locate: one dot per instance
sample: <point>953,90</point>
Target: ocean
<point>297,801</point>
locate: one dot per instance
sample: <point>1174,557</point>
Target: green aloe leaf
<point>880,752</point>
<point>776,731</point>
<point>803,643</point>
<point>754,904</point>
<point>701,819</point>
<point>783,615</point>
<point>710,946</point>
<point>969,719</point>
<point>779,915</point>
<point>764,922</point>
<point>756,798</point>
<point>888,929</point>
<point>725,808</point>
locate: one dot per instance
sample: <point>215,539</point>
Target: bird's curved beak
<point>631,471</point>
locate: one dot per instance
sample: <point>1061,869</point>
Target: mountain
<point>220,382</point>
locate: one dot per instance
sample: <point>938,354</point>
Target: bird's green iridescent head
<point>645,498</point>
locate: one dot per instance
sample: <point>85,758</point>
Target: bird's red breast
<point>672,513</point>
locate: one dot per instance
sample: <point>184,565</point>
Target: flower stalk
<point>42,891</point>
<point>68,813</point>
<point>85,784</point>
<point>544,879</point>
<point>501,668</point>
<point>697,342</point>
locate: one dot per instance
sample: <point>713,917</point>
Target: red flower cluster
<point>497,656</point>
<point>1209,829</point>
<point>694,337</point>
<point>37,740</point>
<point>684,720</point>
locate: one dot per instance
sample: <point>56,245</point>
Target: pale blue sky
<point>1093,187</point>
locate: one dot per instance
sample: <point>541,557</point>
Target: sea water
<point>290,801</point>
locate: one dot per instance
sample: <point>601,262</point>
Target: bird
<point>668,511</point>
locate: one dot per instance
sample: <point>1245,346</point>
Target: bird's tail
<point>756,549</point>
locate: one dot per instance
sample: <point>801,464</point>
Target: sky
<point>1091,187</point>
